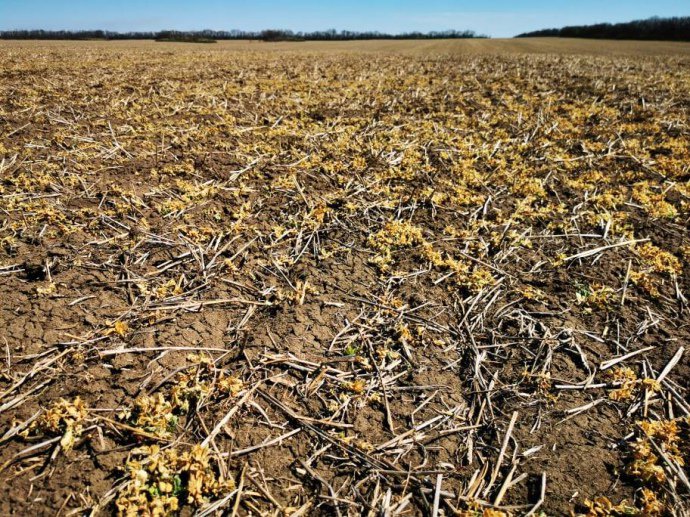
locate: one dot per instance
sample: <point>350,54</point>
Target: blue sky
<point>498,18</point>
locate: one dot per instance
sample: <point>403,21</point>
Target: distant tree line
<point>669,29</point>
<point>333,35</point>
<point>210,35</point>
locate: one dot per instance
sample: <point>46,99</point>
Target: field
<point>358,278</point>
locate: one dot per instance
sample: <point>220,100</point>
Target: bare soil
<point>413,260</point>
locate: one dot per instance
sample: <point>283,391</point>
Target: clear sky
<point>498,18</point>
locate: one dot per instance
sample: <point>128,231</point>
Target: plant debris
<point>272,279</point>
